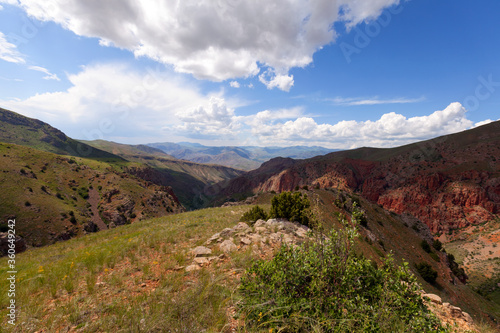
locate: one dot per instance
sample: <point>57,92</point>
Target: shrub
<point>458,271</point>
<point>426,272</point>
<point>83,192</point>
<point>359,216</point>
<point>254,214</point>
<point>291,206</point>
<point>322,286</point>
<point>437,245</point>
<point>435,256</point>
<point>425,246</point>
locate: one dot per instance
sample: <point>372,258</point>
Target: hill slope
<point>188,179</point>
<point>137,277</point>
<point>21,130</point>
<point>56,197</point>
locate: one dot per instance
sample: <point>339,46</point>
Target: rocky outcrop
<point>262,237</point>
<point>456,319</point>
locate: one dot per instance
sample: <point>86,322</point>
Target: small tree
<point>437,245</point>
<point>254,214</point>
<point>291,206</point>
<point>425,246</point>
<point>426,272</point>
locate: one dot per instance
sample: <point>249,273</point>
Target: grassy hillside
<point>57,197</point>
<point>133,278</point>
<point>21,130</point>
<point>187,179</point>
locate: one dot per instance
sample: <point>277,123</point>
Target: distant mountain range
<point>243,158</point>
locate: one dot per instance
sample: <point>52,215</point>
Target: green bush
<point>425,246</point>
<point>83,192</point>
<point>437,245</point>
<point>435,256</point>
<point>458,271</point>
<point>359,215</point>
<point>254,214</point>
<point>426,272</point>
<point>322,286</point>
<point>291,206</point>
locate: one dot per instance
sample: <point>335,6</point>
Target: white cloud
<point>214,40</point>
<point>390,130</point>
<point>272,80</point>
<point>114,101</point>
<point>234,84</point>
<point>50,76</point>
<point>213,119</point>
<point>373,101</point>
<point>9,52</point>
<point>484,122</point>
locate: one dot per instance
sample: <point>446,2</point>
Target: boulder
<point>242,226</point>
<point>201,251</point>
<point>193,267</point>
<point>246,241</point>
<point>434,298</point>
<point>259,223</point>
<point>228,246</point>
<point>227,233</point>
<point>213,239</point>
<point>201,261</point>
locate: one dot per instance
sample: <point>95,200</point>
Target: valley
<point>118,217</point>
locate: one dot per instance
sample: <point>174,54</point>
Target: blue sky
<point>339,74</point>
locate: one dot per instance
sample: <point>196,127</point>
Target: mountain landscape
<point>119,223</point>
<point>451,183</point>
<point>243,158</point>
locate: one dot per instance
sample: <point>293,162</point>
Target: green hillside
<point>56,197</point>
<point>188,179</point>
<point>21,130</point>
<point>135,278</point>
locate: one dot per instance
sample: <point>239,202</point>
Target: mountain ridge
<point>241,157</point>
<point>459,169</point>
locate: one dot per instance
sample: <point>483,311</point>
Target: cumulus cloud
<point>114,102</point>
<point>272,80</point>
<point>9,52</point>
<point>213,119</point>
<point>390,130</point>
<point>49,76</point>
<point>213,40</point>
<point>234,84</point>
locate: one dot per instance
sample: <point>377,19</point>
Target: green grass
<point>95,282</point>
<point>54,185</point>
